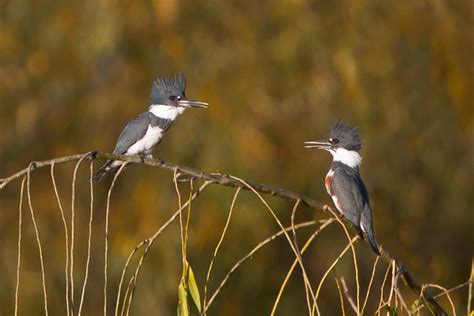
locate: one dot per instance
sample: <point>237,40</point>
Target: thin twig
<point>106,250</point>
<point>124,270</point>
<point>370,285</point>
<point>73,198</point>
<point>151,240</point>
<point>307,286</point>
<point>66,237</point>
<point>348,296</point>
<point>181,228</point>
<point>400,297</point>
<point>445,291</point>
<point>394,273</point>
<point>250,255</point>
<point>18,263</point>
<point>340,298</point>
<point>354,260</point>
<point>295,261</point>
<point>229,216</point>
<point>89,237</point>
<point>303,270</point>
<point>40,249</point>
<point>454,288</point>
<point>129,286</point>
<point>382,288</point>
<point>469,295</point>
<point>343,252</point>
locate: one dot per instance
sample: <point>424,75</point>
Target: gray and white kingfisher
<point>142,134</point>
<point>343,181</point>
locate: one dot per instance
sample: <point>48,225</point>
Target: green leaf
<point>183,308</point>
<point>391,310</point>
<point>193,289</point>
<point>414,306</point>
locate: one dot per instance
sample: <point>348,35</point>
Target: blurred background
<point>275,73</point>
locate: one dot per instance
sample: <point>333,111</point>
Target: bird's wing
<point>134,131</point>
<point>350,193</point>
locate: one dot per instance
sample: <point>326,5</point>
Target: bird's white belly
<point>146,145</point>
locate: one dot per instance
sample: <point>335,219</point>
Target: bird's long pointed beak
<point>192,103</point>
<point>318,144</point>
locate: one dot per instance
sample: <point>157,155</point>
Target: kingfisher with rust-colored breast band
<point>142,134</point>
<point>343,182</point>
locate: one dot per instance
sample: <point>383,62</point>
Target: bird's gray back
<point>351,193</point>
<point>134,131</point>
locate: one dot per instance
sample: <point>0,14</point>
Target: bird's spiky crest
<point>347,135</point>
<point>163,88</point>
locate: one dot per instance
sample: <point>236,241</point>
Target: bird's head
<point>171,93</point>
<point>344,144</point>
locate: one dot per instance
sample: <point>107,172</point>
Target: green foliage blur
<point>275,73</point>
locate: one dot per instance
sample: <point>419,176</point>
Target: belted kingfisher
<point>142,134</point>
<point>343,181</point>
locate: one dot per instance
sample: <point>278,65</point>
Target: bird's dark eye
<point>334,140</point>
<point>173,98</point>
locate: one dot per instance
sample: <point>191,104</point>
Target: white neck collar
<point>350,158</point>
<point>165,111</point>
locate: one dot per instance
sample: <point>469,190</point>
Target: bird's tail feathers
<point>103,171</point>
<point>372,242</point>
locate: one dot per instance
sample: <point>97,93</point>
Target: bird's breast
<point>328,182</point>
<point>147,143</point>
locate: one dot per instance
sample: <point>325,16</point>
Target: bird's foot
<point>142,157</point>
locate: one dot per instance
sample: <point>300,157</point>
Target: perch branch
<point>227,180</point>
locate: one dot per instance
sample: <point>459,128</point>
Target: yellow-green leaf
<point>183,308</point>
<point>193,289</point>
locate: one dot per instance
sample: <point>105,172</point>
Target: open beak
<point>192,103</point>
<point>318,144</point>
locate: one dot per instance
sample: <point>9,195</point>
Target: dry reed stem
<point>370,285</point>
<point>394,272</point>
<point>303,270</point>
<point>188,214</point>
<point>129,286</point>
<point>149,243</point>
<point>293,265</point>
<point>66,237</point>
<point>249,255</point>
<point>400,297</point>
<point>353,257</point>
<point>457,287</point>
<point>348,296</point>
<point>445,291</point>
<point>89,237</point>
<point>307,287</point>
<point>382,300</point>
<point>124,270</point>
<point>229,216</point>
<point>316,295</point>
<point>73,199</point>
<point>469,295</point>
<point>106,241</point>
<point>467,283</point>
<point>40,249</point>
<point>183,248</point>
<point>18,262</point>
<point>343,311</point>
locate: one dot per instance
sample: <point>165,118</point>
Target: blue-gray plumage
<point>343,182</point>
<point>142,134</point>
<point>137,128</point>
